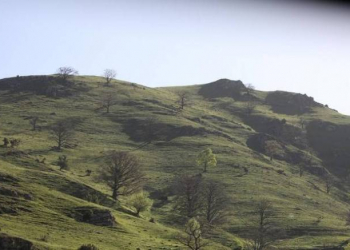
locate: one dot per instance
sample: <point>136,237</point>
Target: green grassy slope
<point>311,216</point>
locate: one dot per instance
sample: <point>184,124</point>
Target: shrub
<point>6,142</point>
<point>63,162</point>
<point>94,198</point>
<point>140,202</point>
<point>88,247</point>
<point>15,143</point>
<point>88,172</point>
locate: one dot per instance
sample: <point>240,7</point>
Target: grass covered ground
<point>310,215</point>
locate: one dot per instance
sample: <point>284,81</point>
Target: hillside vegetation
<point>277,146</point>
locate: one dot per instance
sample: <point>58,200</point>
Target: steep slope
<point>311,216</point>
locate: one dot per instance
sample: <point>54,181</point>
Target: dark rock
<point>223,88</point>
<point>332,143</point>
<point>95,216</point>
<point>28,197</point>
<point>14,243</point>
<point>278,128</point>
<point>257,142</point>
<point>290,103</point>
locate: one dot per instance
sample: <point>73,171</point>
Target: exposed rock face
<point>257,142</point>
<point>223,88</point>
<point>332,142</point>
<point>290,103</point>
<point>95,216</point>
<point>279,129</point>
<point>14,243</point>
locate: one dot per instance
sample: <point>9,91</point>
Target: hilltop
<point>42,205</point>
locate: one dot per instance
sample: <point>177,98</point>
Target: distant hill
<point>45,208</point>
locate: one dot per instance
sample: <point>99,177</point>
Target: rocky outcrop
<point>14,243</point>
<point>332,143</point>
<point>94,216</point>
<point>290,103</point>
<point>223,88</point>
<point>257,143</point>
<point>280,129</point>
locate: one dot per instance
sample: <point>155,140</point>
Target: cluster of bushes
<point>13,143</point>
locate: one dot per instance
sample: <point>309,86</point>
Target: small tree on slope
<point>206,159</point>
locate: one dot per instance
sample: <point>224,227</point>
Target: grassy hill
<point>38,202</point>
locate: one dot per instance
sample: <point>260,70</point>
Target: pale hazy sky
<point>275,45</point>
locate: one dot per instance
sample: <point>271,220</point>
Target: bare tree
<point>301,169</point>
<point>122,173</point>
<point>250,106</point>
<point>66,72</point>
<point>347,218</point>
<point>34,122</point>
<point>107,101</point>
<point>305,162</point>
<point>192,237</point>
<point>264,233</point>
<point>215,201</point>
<point>15,143</point>
<point>249,89</point>
<point>328,181</point>
<point>188,190</point>
<point>62,133</point>
<point>302,122</point>
<point>109,75</point>
<point>183,98</point>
